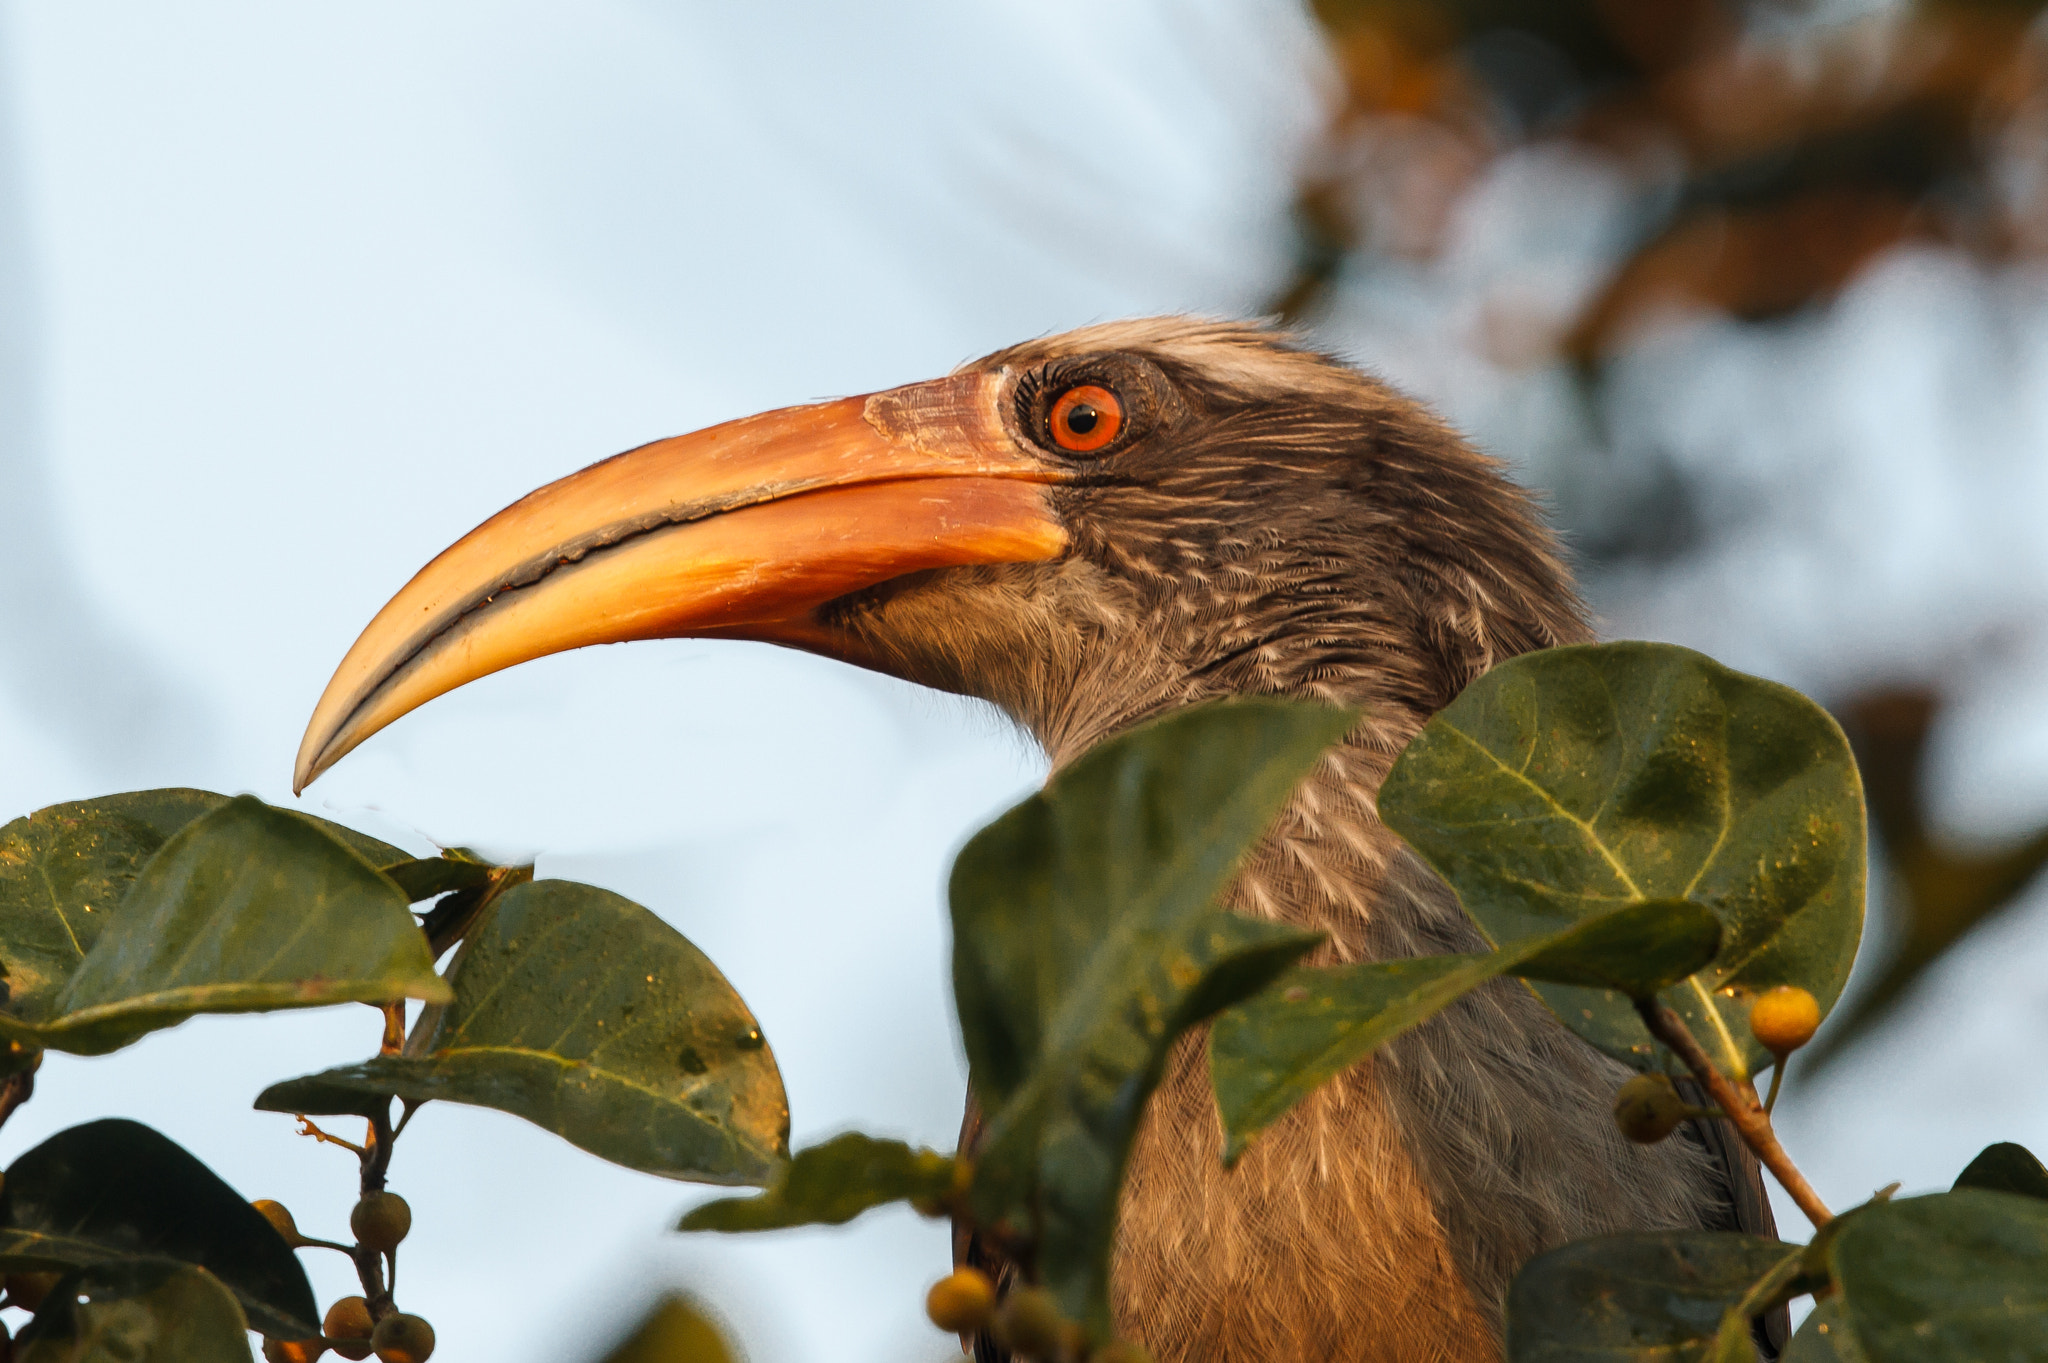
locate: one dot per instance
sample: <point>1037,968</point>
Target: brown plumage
<point>1286,526</point>
<point>1262,520</point>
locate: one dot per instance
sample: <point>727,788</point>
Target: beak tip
<point>314,758</point>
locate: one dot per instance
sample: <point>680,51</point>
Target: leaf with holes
<point>144,1310</point>
<point>1273,1050</point>
<point>113,1190</point>
<point>244,909</point>
<point>65,871</point>
<point>1086,938</point>
<point>830,1184</point>
<point>585,1014</point>
<point>1566,783</point>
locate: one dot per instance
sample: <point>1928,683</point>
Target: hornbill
<point>1087,531</point>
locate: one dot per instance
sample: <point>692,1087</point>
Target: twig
<point>18,1089</point>
<point>377,1151</point>
<point>1743,1111</point>
<point>370,1262</point>
<point>307,1128</point>
<point>370,1269</point>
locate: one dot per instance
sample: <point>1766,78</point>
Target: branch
<point>1742,1110</point>
<point>17,1089</point>
<point>369,1262</point>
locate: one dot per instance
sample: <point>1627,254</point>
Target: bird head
<point>1084,530</point>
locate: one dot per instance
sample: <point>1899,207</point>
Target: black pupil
<point>1081,418</point>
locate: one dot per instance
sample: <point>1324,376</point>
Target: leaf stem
<point>1777,1078</point>
<point>308,1242</point>
<point>394,1028</point>
<point>1749,1118</point>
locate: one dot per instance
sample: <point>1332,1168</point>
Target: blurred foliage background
<point>1750,162</point>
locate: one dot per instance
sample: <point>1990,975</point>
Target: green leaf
<point>2006,1168</point>
<point>245,909</point>
<point>1824,1337</point>
<point>377,853</point>
<point>1641,1297</point>
<point>429,877</point>
<point>141,1311</point>
<point>1086,938</point>
<point>830,1184</point>
<point>63,872</point>
<point>1272,1051</point>
<point>587,1015</point>
<point>114,1190</point>
<point>1735,1341</point>
<point>1565,783</point>
<point>674,1331</point>
<point>1955,1277</point>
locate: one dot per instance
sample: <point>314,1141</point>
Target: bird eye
<point>1086,418</point>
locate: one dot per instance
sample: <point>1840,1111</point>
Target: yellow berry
<point>1784,1019</point>
<point>1647,1108</point>
<point>27,1290</point>
<point>293,1350</point>
<point>280,1219</point>
<point>403,1339</point>
<point>1028,1323</point>
<point>348,1327</point>
<point>380,1221</point>
<point>962,1301</point>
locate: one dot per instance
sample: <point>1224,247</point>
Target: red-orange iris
<point>1086,418</point>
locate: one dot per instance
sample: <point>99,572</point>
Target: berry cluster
<point>1027,1321</point>
<point>354,1327</point>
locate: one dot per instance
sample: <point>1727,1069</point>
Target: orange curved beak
<point>742,530</point>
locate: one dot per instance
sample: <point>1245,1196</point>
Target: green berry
<point>1647,1108</point>
<point>1028,1323</point>
<point>1120,1351</point>
<point>403,1339</point>
<point>380,1221</point>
